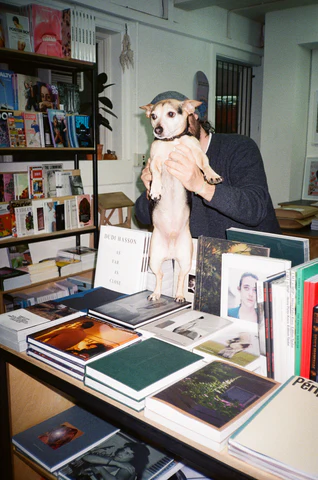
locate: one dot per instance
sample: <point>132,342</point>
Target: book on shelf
<point>67,32</point>
<point>60,217</point>
<point>186,328</point>
<point>125,375</point>
<point>43,356</point>
<point>83,136</point>
<point>212,402</point>
<point>295,216</point>
<point>82,341</point>
<point>69,97</point>
<point>84,210</point>
<point>26,91</point>
<point>70,212</point>
<point>49,178</point>
<point>47,96</point>
<point>21,185</point>
<point>57,120</point>
<point>7,97</point>
<point>16,31</point>
<point>13,205</point>
<point>18,324</point>
<point>39,216</point>
<point>60,439</point>
<point>62,183</point>
<point>122,259</point>
<point>5,220</point>
<point>36,181</point>
<point>207,294</point>
<point>4,129</point>
<point>290,413</point>
<point>24,221</point>
<point>45,29</point>
<point>76,183</point>
<point>6,187</point>
<point>86,255</point>
<point>32,130</point>
<point>309,302</point>
<point>313,374</point>
<point>135,310</point>
<point>67,266</point>
<point>16,129</point>
<point>13,278</point>
<point>144,461</point>
<point>291,248</point>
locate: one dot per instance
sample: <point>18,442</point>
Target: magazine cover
<point>6,90</point>
<point>58,126</point>
<point>32,130</point>
<point>46,96</point>
<point>45,25</point>
<point>26,91</point>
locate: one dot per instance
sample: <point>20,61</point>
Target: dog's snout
<point>158,130</point>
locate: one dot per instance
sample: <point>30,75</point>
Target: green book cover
<point>291,248</point>
<point>142,368</point>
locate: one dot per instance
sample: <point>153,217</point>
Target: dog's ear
<point>148,109</point>
<point>190,105</point>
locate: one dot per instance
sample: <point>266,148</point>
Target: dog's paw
<point>153,297</point>
<point>179,299</point>
<point>155,197</point>
<point>213,180</point>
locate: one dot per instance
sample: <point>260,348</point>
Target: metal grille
<point>233,98</point>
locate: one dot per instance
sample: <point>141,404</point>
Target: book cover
<point>16,129</point>
<point>7,187</point>
<point>60,217</point>
<point>19,323</point>
<point>26,92</point>
<point>13,204</point>
<point>291,248</point>
<point>13,278</point>
<point>36,181</point>
<point>83,340</point>
<point>63,437</point>
<point>215,400</point>
<point>120,259</point>
<point>84,210</point>
<point>83,131</point>
<point>79,252</point>
<point>125,370</point>
<point>6,90</point>
<point>58,126</point>
<point>286,456</point>
<point>32,130</point>
<point>5,220</point>
<point>49,178</point>
<point>126,453</point>
<point>24,221</point>
<point>17,31</point>
<point>76,183</point>
<point>314,346</point>
<point>207,294</point>
<point>69,97</point>
<point>93,297</point>
<point>47,96</point>
<point>45,27</point>
<point>21,186</point>
<point>67,33</point>
<point>4,129</point>
<point>39,218</point>
<point>136,310</point>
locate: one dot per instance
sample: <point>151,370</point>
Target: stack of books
<point>86,255</point>
<point>13,278</point>
<point>43,270</point>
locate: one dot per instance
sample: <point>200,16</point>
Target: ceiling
<point>253,9</point>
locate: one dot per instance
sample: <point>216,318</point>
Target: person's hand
<point>146,176</point>
<point>182,165</point>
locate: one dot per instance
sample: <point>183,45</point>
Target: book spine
<point>267,332</point>
<point>314,343</point>
<point>271,327</point>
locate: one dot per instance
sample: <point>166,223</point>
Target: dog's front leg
<point>156,183</point>
<point>157,255</point>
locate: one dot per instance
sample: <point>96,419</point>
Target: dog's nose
<point>158,130</point>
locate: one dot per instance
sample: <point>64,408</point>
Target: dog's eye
<point>153,116</point>
<point>171,114</point>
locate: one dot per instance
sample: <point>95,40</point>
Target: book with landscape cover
<point>292,248</point>
<point>270,438</point>
<point>207,292</point>
<point>213,401</point>
<point>83,340</point>
<point>61,438</point>
<point>143,368</point>
<point>13,278</point>
<point>136,310</point>
<point>16,325</point>
<point>147,463</point>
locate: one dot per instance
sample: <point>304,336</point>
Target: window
<point>233,98</point>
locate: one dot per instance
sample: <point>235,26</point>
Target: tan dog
<point>171,237</point>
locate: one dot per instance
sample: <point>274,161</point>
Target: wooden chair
<point>109,203</point>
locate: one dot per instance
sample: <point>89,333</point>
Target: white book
<point>63,186</point>
<point>49,170</point>
<point>17,33</point>
<point>24,221</point>
<point>120,259</point>
<point>70,212</point>
<point>283,354</point>
<point>40,216</point>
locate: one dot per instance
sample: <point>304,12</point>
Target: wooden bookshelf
<point>32,392</point>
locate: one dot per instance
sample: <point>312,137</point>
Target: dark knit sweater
<point>242,200</point>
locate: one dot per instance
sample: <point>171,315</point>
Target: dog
<point>171,237</point>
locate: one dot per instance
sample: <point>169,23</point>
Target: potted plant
<point>107,105</point>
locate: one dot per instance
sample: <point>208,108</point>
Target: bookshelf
<point>32,392</point>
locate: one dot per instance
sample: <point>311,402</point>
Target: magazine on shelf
<point>16,31</point>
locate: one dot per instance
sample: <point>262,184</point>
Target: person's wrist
<point>201,189</point>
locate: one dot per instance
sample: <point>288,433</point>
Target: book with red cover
<point>310,301</point>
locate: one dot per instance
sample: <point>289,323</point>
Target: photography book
<point>136,310</point>
<point>63,437</point>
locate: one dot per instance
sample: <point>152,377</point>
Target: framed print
<point>310,181</point>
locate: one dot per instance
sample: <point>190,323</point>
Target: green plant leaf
<point>106,102</point>
<point>109,111</point>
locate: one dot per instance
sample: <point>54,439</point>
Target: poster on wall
<point>310,182</point>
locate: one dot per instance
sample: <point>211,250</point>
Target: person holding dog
<point>242,200</point>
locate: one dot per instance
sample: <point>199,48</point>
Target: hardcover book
<point>49,178</point>
<point>26,91</point>
<point>143,461</point>
<point>47,96</point>
<point>5,220</point>
<point>125,370</point>
<point>69,97</point>
<point>314,346</point>
<point>13,205</point>
<point>24,221</point>
<point>84,210</point>
<point>60,439</point>
<point>21,186</point>
<point>6,187</point>
<point>32,130</point>
<point>36,181</point>
<point>16,129</point>
<point>82,131</point>
<point>290,412</point>
<point>291,248</point>
<point>17,31</point>
<point>214,401</point>
<point>4,129</point>
<point>207,293</point>
<point>16,325</point>
<point>58,126</point>
<point>135,310</point>
<point>7,101</point>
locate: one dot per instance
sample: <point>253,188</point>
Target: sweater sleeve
<point>142,210</point>
<point>243,196</point>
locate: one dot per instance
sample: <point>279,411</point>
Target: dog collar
<point>185,132</point>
